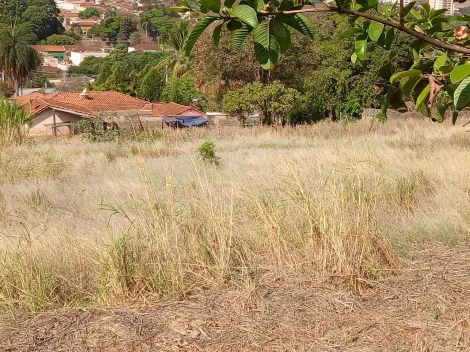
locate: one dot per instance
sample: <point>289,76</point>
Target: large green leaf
<point>435,13</point>
<point>416,14</point>
<point>300,23</point>
<point>386,71</point>
<point>213,5</point>
<point>216,33</point>
<point>350,32</point>
<point>360,47</point>
<point>440,62</point>
<point>278,28</point>
<point>398,75</point>
<point>229,3</point>
<point>184,3</point>
<point>375,30</point>
<point>389,36</point>
<point>423,96</point>
<point>408,84</point>
<point>266,46</point>
<point>282,34</point>
<point>462,94</point>
<point>408,7</point>
<point>247,14</point>
<point>239,36</point>
<point>196,33</point>
<point>459,73</point>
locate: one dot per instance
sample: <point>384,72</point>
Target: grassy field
<point>339,216</point>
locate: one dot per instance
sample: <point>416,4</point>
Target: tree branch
<point>402,13</point>
<point>401,27</point>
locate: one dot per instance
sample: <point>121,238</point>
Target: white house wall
<point>38,127</point>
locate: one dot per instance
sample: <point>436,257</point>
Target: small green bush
<point>207,153</point>
<point>94,130</point>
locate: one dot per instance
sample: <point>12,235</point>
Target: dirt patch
<point>425,307</point>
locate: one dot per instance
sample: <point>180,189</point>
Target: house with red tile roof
<point>58,113</point>
<point>172,109</point>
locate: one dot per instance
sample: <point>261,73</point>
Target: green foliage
<point>158,22</point>
<point>91,65</point>
<point>39,15</point>
<point>181,91</point>
<point>351,111</point>
<point>152,85</point>
<point>206,152</point>
<point>89,12</point>
<point>118,28</point>
<point>273,101</point>
<point>14,121</point>
<point>94,130</point>
<point>61,39</point>
<point>38,80</point>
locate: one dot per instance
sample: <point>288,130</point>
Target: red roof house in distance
<point>172,109</point>
<point>57,113</point>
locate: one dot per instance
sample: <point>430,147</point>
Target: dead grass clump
<point>27,164</point>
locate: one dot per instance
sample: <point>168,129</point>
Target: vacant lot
<point>332,237</point>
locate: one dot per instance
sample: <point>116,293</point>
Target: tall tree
<point>176,64</point>
<point>17,58</point>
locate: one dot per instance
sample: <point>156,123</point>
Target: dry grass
<point>130,222</point>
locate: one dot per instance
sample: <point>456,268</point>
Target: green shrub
<point>94,130</point>
<point>207,153</point>
<point>14,122</point>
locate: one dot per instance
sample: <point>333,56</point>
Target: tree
<point>42,15</point>
<point>158,22</point>
<point>152,85</point>
<point>91,65</point>
<point>181,91</point>
<point>60,39</point>
<point>176,64</point>
<point>117,28</point>
<point>273,101</point>
<point>89,12</point>
<point>437,81</point>
<point>17,58</point>
<point>105,72</point>
<point>118,80</point>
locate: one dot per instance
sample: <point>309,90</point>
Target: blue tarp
<point>185,121</point>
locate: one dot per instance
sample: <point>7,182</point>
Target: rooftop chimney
<point>83,94</point>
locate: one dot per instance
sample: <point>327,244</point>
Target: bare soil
<point>425,306</point>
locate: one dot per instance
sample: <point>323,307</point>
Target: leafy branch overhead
<point>438,81</point>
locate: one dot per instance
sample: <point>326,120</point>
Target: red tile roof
<point>92,104</point>
<point>83,48</point>
<point>169,109</point>
<point>48,48</point>
<point>145,47</point>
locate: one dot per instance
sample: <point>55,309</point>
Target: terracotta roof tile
<point>145,47</point>
<point>92,104</point>
<point>48,48</point>
<point>83,48</point>
<point>169,109</point>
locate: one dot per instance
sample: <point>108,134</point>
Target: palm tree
<point>176,62</point>
<point>17,58</point>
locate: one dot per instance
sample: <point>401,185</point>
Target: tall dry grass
<point>97,224</point>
